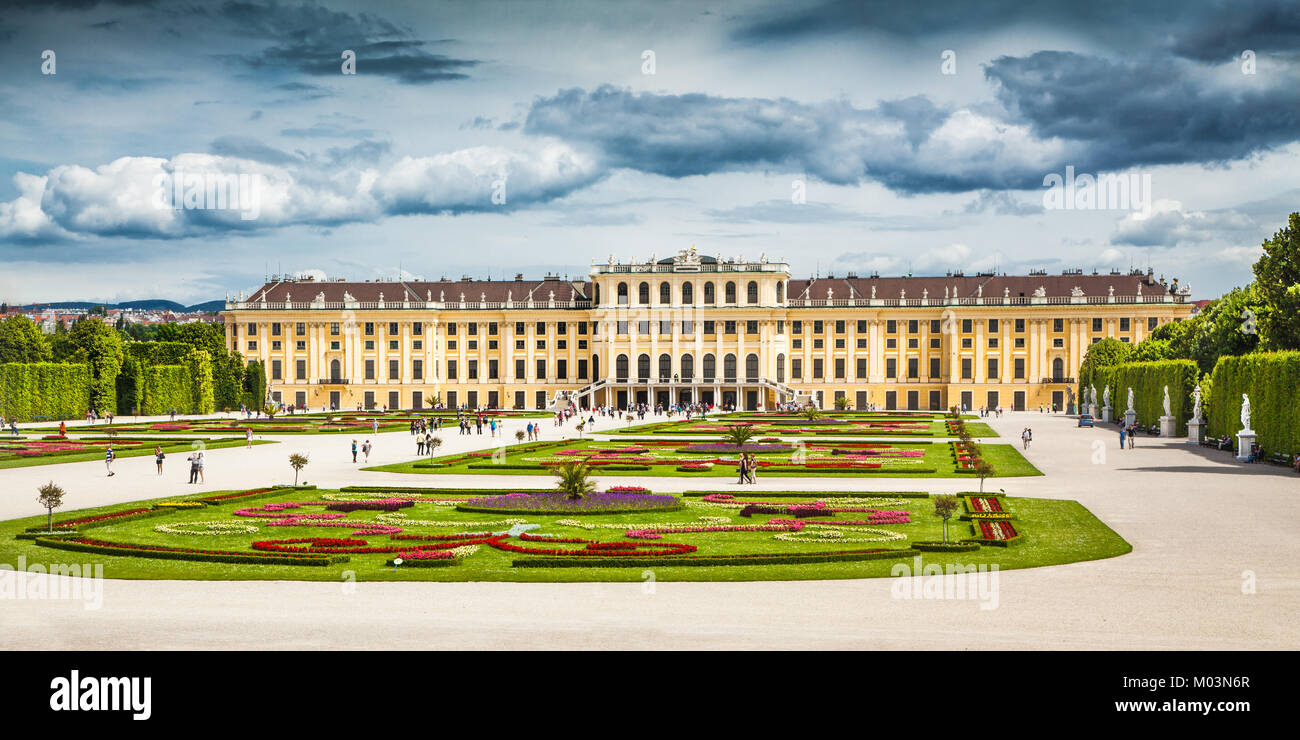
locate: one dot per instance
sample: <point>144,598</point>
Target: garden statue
<point>1167,402</point>
<point>1105,396</point>
<point>1245,412</point>
<point>1196,404</point>
<point>1130,399</point>
<point>1093,390</point>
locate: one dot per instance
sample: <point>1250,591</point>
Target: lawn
<point>784,526</point>
<point>341,422</point>
<point>912,459</point>
<point>22,453</point>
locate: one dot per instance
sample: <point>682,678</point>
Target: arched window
<point>780,292</point>
<point>688,294</point>
<point>751,368</point>
<point>622,294</point>
<point>729,367</point>
<point>643,293</point>
<point>730,292</point>
<point>620,367</point>
<point>780,368</point>
<point>643,367</point>
<point>597,294</point>
<point>665,367</point>
<point>595,367</point>
<point>751,292</point>
<point>335,370</point>
<point>665,293</point>
<point>688,367</point>
<point>1058,369</point>
<point>708,293</point>
<point>710,368</point>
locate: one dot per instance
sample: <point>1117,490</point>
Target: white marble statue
<point>1130,399</point>
<point>1105,396</point>
<point>1167,402</point>
<point>1093,389</point>
<point>1245,413</point>
<point>1196,404</point>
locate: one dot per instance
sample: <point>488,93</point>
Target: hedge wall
<point>158,353</point>
<point>1148,381</point>
<point>1272,380</point>
<point>202,400</point>
<point>44,390</point>
<point>165,387</point>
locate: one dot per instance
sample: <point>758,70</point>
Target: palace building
<point>692,328</point>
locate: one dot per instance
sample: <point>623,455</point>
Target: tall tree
<point>21,340</point>
<point>101,346</point>
<point>1277,278</point>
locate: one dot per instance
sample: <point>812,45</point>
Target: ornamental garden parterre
<point>387,533</point>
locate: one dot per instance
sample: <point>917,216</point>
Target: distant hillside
<point>149,305</point>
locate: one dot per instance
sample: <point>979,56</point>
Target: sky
<point>489,138</point>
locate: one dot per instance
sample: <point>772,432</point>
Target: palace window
<point>730,292</point>
<point>751,292</point>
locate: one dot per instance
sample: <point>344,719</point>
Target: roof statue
<point>873,292</point>
<point>1076,291</point>
<point>980,291</point>
<point>442,296</point>
<point>945,292</point>
<point>902,294</point>
<point>1006,292</point>
<point>1111,291</point>
<point>1040,292</point>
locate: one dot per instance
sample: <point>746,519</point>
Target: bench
<point>1280,458</point>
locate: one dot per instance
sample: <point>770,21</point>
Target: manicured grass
<point>1052,532</point>
<point>855,424</point>
<point>520,460</point>
<point>169,447</point>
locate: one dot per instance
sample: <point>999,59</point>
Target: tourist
<point>63,429</point>
<point>354,450</point>
<point>194,468</point>
<point>365,450</point>
<point>199,462</point>
<point>1132,432</point>
<point>13,427</point>
<point>1123,433</point>
<point>740,469</point>
<point>1024,438</point>
<point>419,445</point>
<point>248,437</point>
<point>158,458</point>
<point>751,469</point>
<point>374,425</point>
<point>109,457</point>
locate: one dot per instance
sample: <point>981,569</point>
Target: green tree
<point>51,497</point>
<point>100,346</point>
<point>297,461</point>
<point>574,479</point>
<point>945,505</point>
<point>1277,278</point>
<point>1228,325</point>
<point>21,340</point>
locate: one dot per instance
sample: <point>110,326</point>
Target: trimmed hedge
<point>946,546</point>
<point>44,390</point>
<point>1272,380</point>
<point>711,560</point>
<point>1148,380</point>
<point>211,556</point>
<point>816,494</point>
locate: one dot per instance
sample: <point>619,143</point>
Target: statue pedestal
<point>1168,426</point>
<point>1195,432</point>
<point>1130,417</point>
<point>1245,440</point>
<point>1105,414</point>
<point>1092,410</point>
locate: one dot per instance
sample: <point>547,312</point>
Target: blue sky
<point>908,158</point>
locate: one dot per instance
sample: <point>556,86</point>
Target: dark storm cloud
<point>241,147</point>
<point>1142,113</point>
<point>311,40</point>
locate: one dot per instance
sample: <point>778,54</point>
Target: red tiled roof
<point>448,290</point>
<point>968,286</point>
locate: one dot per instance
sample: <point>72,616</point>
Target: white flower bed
<point>206,529</point>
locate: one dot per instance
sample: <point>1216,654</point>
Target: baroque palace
<point>692,329</point>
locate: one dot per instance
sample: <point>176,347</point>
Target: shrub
<point>44,390</point>
<point>1272,380</point>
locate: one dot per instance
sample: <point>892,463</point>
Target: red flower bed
<point>997,530</point>
<point>102,517</point>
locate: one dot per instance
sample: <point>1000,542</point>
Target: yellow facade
<point>693,329</point>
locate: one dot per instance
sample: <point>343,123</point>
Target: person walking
<point>354,450</point>
<point>158,458</point>
<point>248,437</point>
<point>202,480</point>
<point>1132,432</point>
<point>751,469</point>
<point>419,444</point>
<point>1123,433</point>
<point>365,450</point>
<point>741,469</point>
<point>63,429</point>
<point>1024,438</point>
<point>194,468</point>
<point>109,457</point>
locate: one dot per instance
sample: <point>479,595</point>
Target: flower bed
<point>559,503</point>
<point>641,561</point>
<point>86,544</point>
